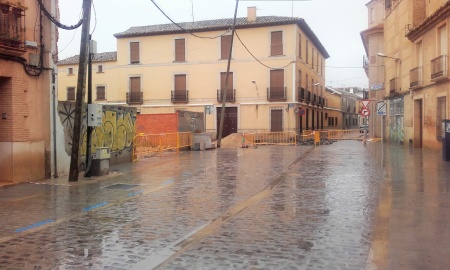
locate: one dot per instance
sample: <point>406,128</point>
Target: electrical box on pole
<point>95,115</point>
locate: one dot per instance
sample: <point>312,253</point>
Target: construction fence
<point>150,143</point>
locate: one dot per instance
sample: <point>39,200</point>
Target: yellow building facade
<point>416,70</point>
<point>276,79</point>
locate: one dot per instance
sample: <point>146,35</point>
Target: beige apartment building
<point>27,45</point>
<point>276,81</point>
<point>415,60</point>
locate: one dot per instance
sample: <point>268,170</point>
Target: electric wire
<point>182,28</point>
<point>259,61</point>
<point>95,17</point>
<point>55,21</point>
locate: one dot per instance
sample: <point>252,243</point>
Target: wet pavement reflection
<point>341,206</point>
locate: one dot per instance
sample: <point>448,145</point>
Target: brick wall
<point>6,109</point>
<point>156,123</point>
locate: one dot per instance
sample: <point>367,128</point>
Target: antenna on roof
<point>192,10</point>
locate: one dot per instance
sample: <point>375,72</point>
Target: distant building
<point>162,69</point>
<point>373,41</point>
<point>26,86</point>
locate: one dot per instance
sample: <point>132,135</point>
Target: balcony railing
<point>276,93</point>
<point>180,96</point>
<point>231,95</point>
<point>301,94</point>
<point>439,67</point>
<point>314,99</point>
<point>393,87</point>
<point>12,31</point>
<point>308,96</point>
<point>135,97</point>
<point>415,77</point>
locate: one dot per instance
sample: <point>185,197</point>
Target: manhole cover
<point>122,186</point>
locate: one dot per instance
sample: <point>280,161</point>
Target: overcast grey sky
<point>337,24</point>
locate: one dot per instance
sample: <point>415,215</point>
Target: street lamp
<point>385,56</point>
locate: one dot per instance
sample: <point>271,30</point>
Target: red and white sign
<point>365,103</point>
<point>365,112</point>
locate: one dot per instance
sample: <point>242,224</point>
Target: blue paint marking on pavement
<point>134,193</point>
<point>35,225</point>
<point>89,208</point>
<point>167,182</point>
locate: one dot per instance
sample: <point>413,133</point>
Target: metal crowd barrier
<point>274,138</point>
<point>151,143</point>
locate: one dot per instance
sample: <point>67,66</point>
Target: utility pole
<point>81,85</point>
<point>224,94</point>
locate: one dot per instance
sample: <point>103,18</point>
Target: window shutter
<point>276,43</point>
<point>180,50</point>
<point>180,82</point>
<point>135,84</point>
<point>101,95</point>
<point>71,93</point>
<point>134,52</point>
<point>276,78</point>
<point>100,68</point>
<point>223,76</point>
<point>225,42</point>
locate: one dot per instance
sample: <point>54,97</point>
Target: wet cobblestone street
<point>274,207</point>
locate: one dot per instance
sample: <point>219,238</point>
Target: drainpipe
<point>55,159</point>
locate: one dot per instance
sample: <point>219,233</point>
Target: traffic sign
<point>381,108</point>
<point>301,111</point>
<point>365,112</point>
<point>365,103</point>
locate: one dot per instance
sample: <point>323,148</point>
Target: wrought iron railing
<point>301,94</point>
<point>415,77</point>
<point>135,97</point>
<point>180,96</point>
<point>439,67</point>
<point>12,23</point>
<point>231,95</point>
<point>276,93</point>
<point>308,96</point>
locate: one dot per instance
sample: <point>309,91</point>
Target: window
<point>307,54</point>
<point>317,64</point>
<point>223,76</point>
<point>135,84</point>
<point>71,93</point>
<point>442,40</point>
<point>321,68</point>
<point>225,44</point>
<point>134,53</point>
<point>12,26</point>
<point>299,78</point>
<point>135,95</point>
<point>372,14</point>
<point>180,50</point>
<point>276,91</point>
<point>276,43</point>
<point>300,46</point>
<point>180,82</point>
<point>99,68</point>
<point>101,93</point>
<point>312,58</point>
<point>441,114</point>
<point>70,71</point>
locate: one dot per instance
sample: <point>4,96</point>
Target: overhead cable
<point>182,28</point>
<point>55,21</point>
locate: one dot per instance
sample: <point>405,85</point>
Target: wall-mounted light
<point>385,56</point>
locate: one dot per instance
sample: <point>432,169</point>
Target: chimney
<point>251,14</point>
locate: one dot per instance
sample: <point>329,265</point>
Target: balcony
<point>135,97</point>
<point>439,68</point>
<point>12,31</point>
<point>301,94</point>
<point>415,77</point>
<point>393,86</point>
<point>180,96</point>
<point>321,102</point>
<point>308,97</point>
<point>231,95</point>
<point>276,93</point>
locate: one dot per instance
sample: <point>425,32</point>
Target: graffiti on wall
<point>396,125</point>
<point>116,133</point>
